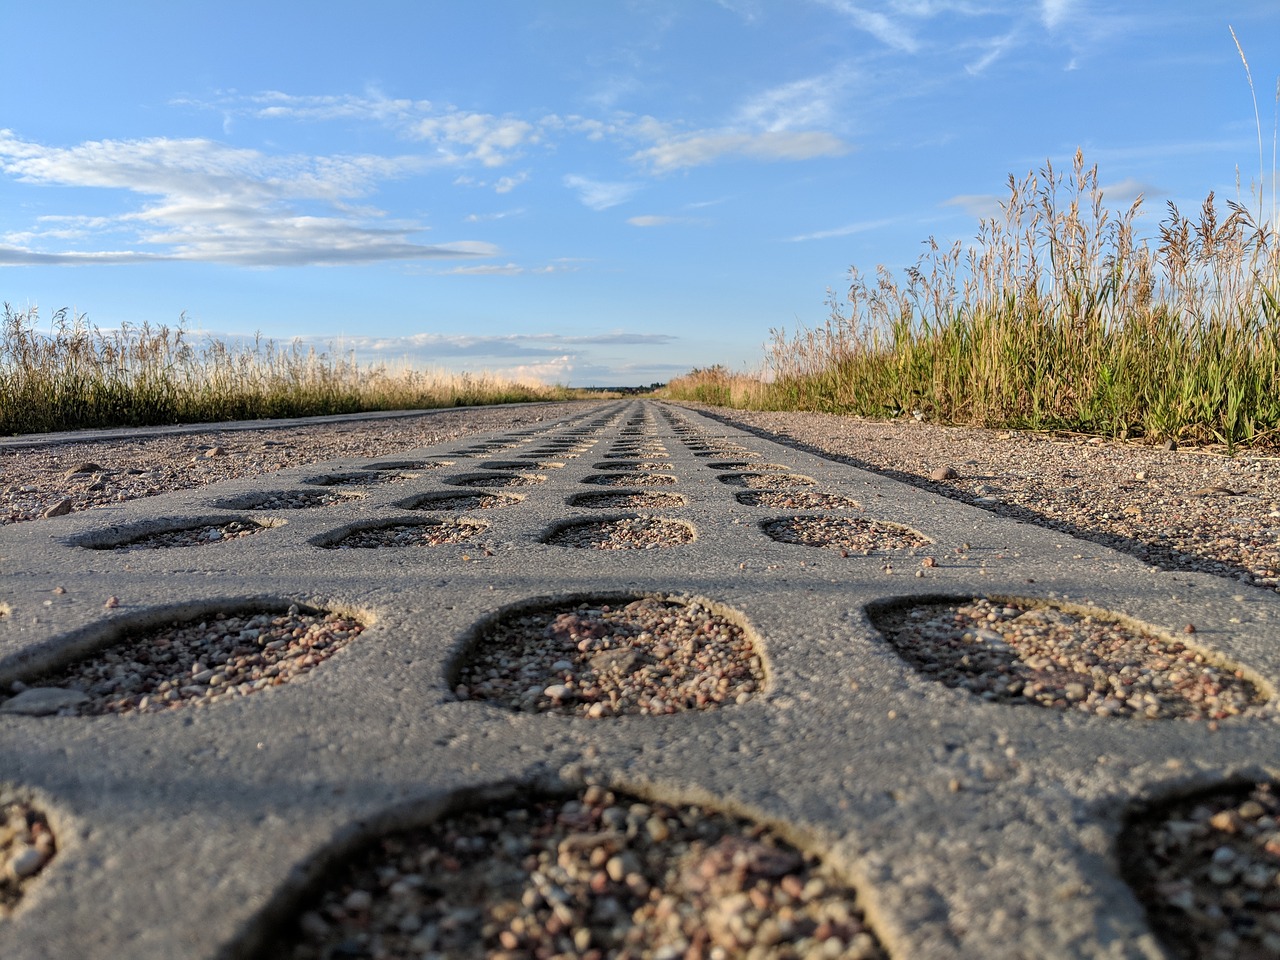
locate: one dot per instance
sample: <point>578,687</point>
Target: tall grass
<point>1057,316</point>
<point>75,375</point>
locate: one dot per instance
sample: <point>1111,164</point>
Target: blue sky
<point>585,191</point>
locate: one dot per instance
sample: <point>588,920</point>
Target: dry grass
<point>76,376</point>
<point>1057,316</point>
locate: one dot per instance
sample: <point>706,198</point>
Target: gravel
<point>287,500</point>
<point>635,499</point>
<point>27,845</point>
<point>846,534</point>
<point>1029,653</point>
<point>592,876</point>
<point>459,501</point>
<point>627,533</point>
<point>98,473</point>
<point>766,481</point>
<point>1187,509</point>
<point>631,479</point>
<point>1207,869</point>
<point>797,500</point>
<point>497,480</point>
<point>647,656</point>
<point>427,533</point>
<point>194,663</point>
<point>206,534</point>
<point>364,478</point>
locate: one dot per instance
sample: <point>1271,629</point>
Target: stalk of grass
<point>1057,317</point>
<point>77,376</point>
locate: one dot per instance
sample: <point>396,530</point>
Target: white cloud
<point>996,48</point>
<point>458,136</point>
<point>803,103</point>
<point>652,220</point>
<point>1053,12</point>
<point>847,230</point>
<point>657,220</point>
<point>496,215</point>
<point>984,206</point>
<point>507,184</point>
<point>214,203</point>
<point>1129,189</point>
<point>696,149</point>
<point>599,194</point>
<point>884,28</point>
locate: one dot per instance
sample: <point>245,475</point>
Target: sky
<point>582,192</point>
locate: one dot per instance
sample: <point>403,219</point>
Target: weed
<point>79,376</point>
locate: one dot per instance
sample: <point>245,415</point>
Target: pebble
<point>59,509</point>
<point>43,701</point>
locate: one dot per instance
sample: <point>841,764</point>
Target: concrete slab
<point>972,829</point>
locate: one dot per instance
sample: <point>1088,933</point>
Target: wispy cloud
<point>705,147</point>
<point>852,228</point>
<point>889,31</point>
<point>600,194</point>
<point>1053,12</point>
<point>993,50</point>
<point>210,202</point>
<point>984,206</point>
<point>457,136</point>
<point>657,220</point>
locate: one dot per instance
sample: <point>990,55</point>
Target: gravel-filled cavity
<point>797,500</point>
<point>459,501</point>
<point>605,659</point>
<point>497,480</point>
<point>199,535</point>
<point>750,465</point>
<point>628,499</point>
<point>421,533</point>
<point>766,481</point>
<point>591,876</point>
<point>626,533</point>
<point>362,478</point>
<point>1025,652</point>
<point>1207,869</point>
<point>634,465</point>
<point>849,535</point>
<point>630,479</point>
<point>26,847</point>
<point>398,465</point>
<point>218,657</point>
<point>287,500</point>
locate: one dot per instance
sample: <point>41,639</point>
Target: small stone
<point>215,452</point>
<point>943,473</point>
<point>111,603</point>
<point>26,862</point>
<point>558,691</point>
<point>357,901</point>
<point>59,509</point>
<point>42,701</point>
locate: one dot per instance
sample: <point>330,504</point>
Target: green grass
<point>74,375</point>
<point>1058,316</point>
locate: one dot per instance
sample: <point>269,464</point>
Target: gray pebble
<point>43,701</point>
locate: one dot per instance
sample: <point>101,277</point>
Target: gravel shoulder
<point>1192,509</point>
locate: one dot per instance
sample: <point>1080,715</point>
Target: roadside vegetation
<point>72,375</point>
<point>1058,316</point>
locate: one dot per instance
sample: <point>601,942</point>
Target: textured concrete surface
<point>183,833</point>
